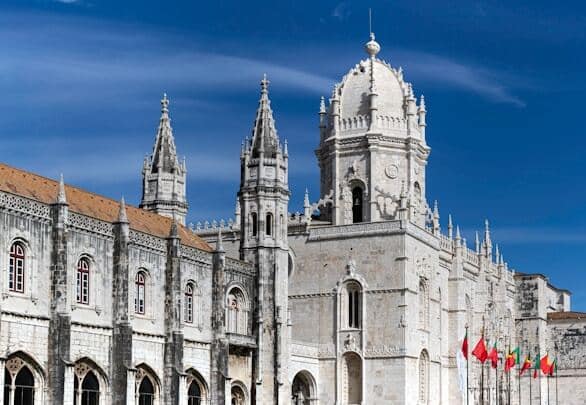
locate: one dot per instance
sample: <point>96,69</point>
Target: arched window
<point>236,312</point>
<point>83,281</point>
<point>140,293</point>
<point>89,394</point>
<point>269,224</point>
<point>357,204</point>
<point>423,377</point>
<point>423,304</point>
<point>303,389</point>
<point>196,388</point>
<point>19,383</point>
<point>189,290</point>
<point>238,396</point>
<point>353,305</point>
<point>146,391</point>
<point>254,220</point>
<point>16,267</point>
<point>194,394</point>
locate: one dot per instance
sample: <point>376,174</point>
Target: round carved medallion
<point>392,171</point>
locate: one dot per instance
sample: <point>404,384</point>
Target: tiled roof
<point>566,315</point>
<point>44,190</point>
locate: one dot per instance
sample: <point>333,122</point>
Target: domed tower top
<point>372,144</point>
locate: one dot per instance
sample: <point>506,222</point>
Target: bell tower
<point>163,177</point>
<point>372,145</point>
<point>264,198</point>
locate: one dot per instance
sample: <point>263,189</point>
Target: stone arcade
<point>360,299</point>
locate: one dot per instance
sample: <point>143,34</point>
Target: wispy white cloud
<point>486,82</point>
<point>342,10</point>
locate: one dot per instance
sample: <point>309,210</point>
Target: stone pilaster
<point>60,318</point>
<point>219,352</point>
<point>173,331</point>
<point>122,329</point>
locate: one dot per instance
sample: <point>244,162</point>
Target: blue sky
<point>503,81</point>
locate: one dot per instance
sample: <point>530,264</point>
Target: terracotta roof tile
<point>44,190</point>
<point>566,315</point>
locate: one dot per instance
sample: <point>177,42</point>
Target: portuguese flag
<point>480,350</point>
<point>554,367</point>
<point>494,356</point>
<point>526,365</point>
<point>537,366</point>
<point>517,354</point>
<point>465,345</point>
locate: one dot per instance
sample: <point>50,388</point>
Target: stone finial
<point>458,236</point>
<point>165,104</point>
<point>372,47</point>
<point>450,226</point>
<point>286,148</point>
<point>477,243</point>
<point>237,212</point>
<point>435,210</point>
<point>61,196</point>
<point>322,105</point>
<point>219,244</point>
<point>497,254</point>
<point>122,217</point>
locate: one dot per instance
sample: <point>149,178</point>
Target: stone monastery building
<point>361,299</point>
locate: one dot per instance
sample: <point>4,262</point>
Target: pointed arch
<point>239,393</point>
<point>17,266</point>
<point>352,378</point>
<point>423,297</point>
<point>197,388</point>
<point>24,380</point>
<point>90,383</point>
<point>148,385</point>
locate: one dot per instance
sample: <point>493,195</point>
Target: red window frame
<point>83,281</point>
<point>139,293</point>
<point>16,267</point>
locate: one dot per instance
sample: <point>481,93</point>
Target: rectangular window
<point>16,274</point>
<point>189,309</point>
<point>83,287</point>
<point>139,300</point>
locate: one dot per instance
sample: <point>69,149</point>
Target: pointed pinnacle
<point>435,209</point>
<point>122,217</point>
<point>458,236</point>
<point>306,199</point>
<point>61,196</point>
<point>322,105</point>
<point>219,244</point>
<point>422,104</point>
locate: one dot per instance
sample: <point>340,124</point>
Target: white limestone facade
<point>364,298</point>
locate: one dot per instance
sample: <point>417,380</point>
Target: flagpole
<point>556,382</point>
<point>547,379</point>
<point>539,375</point>
<point>467,369</point>
<point>530,378</point>
<point>519,374</point>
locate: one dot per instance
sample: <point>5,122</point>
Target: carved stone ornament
<point>392,171</point>
<point>350,343</point>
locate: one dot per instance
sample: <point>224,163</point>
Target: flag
<point>537,366</point>
<point>509,361</point>
<point>494,356</point>
<point>462,383</point>
<point>554,367</point>
<point>480,350</point>
<point>465,345</point>
<point>517,354</point>
<point>526,365</point>
<point>545,364</point>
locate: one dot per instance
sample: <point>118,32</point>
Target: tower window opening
<point>254,219</point>
<point>357,205</point>
<point>269,224</point>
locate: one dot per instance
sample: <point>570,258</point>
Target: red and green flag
<point>554,367</point>
<point>465,345</point>
<point>493,356</point>
<point>536,366</point>
<point>480,350</point>
<point>526,365</point>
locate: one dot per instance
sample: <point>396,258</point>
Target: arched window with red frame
<point>140,293</point>
<point>16,267</point>
<point>83,281</point>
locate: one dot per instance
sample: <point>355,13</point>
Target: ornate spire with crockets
<point>164,177</point>
<point>264,135</point>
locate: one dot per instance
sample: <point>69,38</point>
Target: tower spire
<point>162,169</point>
<point>264,135</point>
<point>61,196</point>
